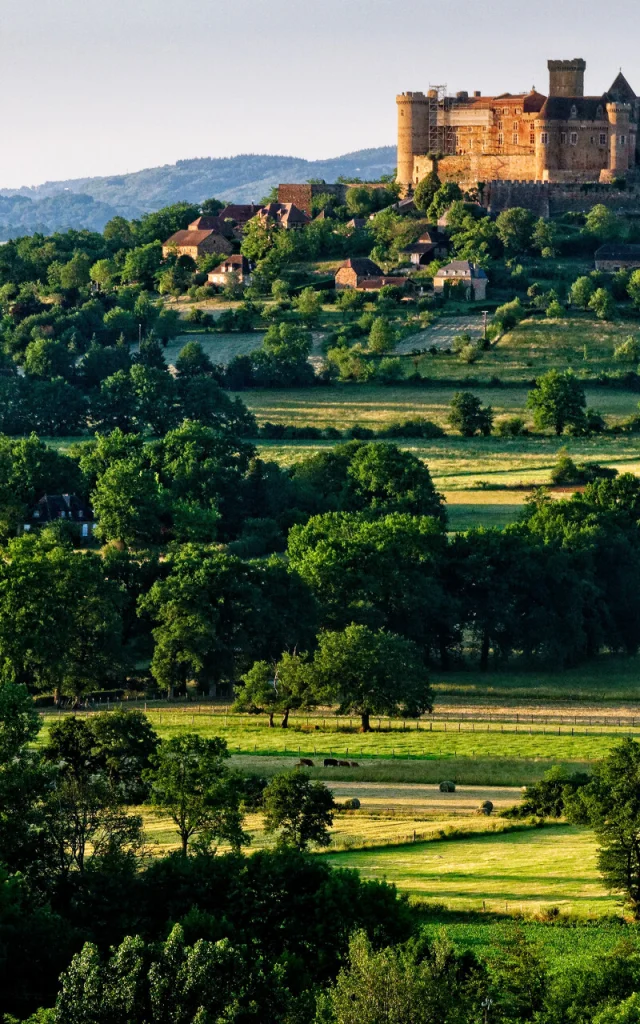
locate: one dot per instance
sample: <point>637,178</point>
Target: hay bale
<point>352,804</point>
<point>487,806</point>
<point>447,787</point>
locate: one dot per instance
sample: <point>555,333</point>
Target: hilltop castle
<point>565,137</point>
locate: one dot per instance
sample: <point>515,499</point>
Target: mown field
<point>518,871</point>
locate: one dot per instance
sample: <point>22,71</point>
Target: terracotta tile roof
<point>210,223</point>
<point>240,212</point>
<point>236,262</point>
<point>188,237</point>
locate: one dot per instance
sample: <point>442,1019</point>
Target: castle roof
<point>579,108</point>
<point>621,90</point>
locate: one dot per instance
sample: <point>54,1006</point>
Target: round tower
<point>413,134</point>
<point>619,115</point>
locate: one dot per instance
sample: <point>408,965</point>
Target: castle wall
<point>470,168</point>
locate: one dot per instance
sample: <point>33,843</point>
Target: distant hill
<point>91,202</point>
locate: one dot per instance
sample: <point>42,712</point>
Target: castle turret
<point>566,77</point>
<point>413,134</point>
<point>619,115</point>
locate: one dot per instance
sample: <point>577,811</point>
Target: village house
<point>235,267</point>
<point>431,245</point>
<point>363,274</point>
<point>613,257</point>
<point>473,279</point>
<point>195,242</point>
<point>285,215</point>
<point>55,507</point>
<point>238,215</point>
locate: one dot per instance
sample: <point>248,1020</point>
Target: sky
<point>99,87</point>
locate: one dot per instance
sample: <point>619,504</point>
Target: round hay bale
<point>487,806</point>
<point>447,787</point>
<point>352,804</point>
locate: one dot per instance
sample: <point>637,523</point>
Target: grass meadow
<point>514,872</point>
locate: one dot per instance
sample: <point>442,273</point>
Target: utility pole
<point>485,313</point>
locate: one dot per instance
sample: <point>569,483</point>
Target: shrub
<point>627,351</point>
<point>352,804</point>
<point>512,426</point>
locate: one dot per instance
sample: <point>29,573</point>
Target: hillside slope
<point>91,202</point>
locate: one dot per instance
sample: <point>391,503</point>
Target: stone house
<point>473,278</point>
<point>431,245</point>
<point>195,243</point>
<point>611,258</point>
<point>362,274</point>
<point>285,215</point>
<point>236,266</point>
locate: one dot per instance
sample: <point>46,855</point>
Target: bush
<point>512,426</point>
<point>352,804</point>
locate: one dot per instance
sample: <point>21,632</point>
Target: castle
<point>565,137</point>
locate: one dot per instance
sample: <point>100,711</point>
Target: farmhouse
<point>55,507</point>
<point>617,257</point>
<point>234,267</point>
<point>195,243</point>
<point>431,245</point>
<point>473,279</point>
<point>363,274</point>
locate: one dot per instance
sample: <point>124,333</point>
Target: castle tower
<point>619,115</point>
<point>566,77</point>
<point>413,134</point>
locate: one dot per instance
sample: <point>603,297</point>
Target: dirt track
<point>412,798</point>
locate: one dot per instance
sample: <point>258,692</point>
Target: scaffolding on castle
<point>442,136</point>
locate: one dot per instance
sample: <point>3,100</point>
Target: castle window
<point>532,138</point>
<point>573,138</point>
<point>563,138</point>
<point>500,124</point>
<point>592,140</point>
<point>515,138</point>
<point>574,112</point>
<point>518,110</point>
<point>515,126</point>
<point>603,138</point>
<point>623,139</point>
<point>544,138</point>
<point>500,138</point>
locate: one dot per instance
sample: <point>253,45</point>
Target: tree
<point>634,288</point>
<point>128,503</point>
<point>104,274</point>
<point>581,291</point>
<point>468,416</point>
<point>603,304</point>
<point>447,194</point>
<point>546,238</point>
<point>190,780</point>
<point>372,673</point>
<point>602,223</point>
<point>287,343</point>
<point>121,322</point>
<point>382,337</point>
<point>46,358</point>
<point>309,306</point>
<point>277,689</point>
<point>515,229</point>
<point>610,805</point>
<point>558,401</point>
<point>124,741</point>
<point>425,191</point>
<point>298,810</point>
<point>142,264</point>
<point>193,361</point>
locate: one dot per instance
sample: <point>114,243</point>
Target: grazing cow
<point>330,762</point>
<point>354,764</point>
<point>304,762</point>
<point>344,764</point>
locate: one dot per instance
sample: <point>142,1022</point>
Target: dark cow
<point>330,762</point>
<point>354,764</point>
<point>344,764</point>
<point>304,762</point>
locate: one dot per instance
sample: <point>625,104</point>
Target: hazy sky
<point>108,86</point>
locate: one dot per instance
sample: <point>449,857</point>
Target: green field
<point>521,871</point>
<point>221,348</point>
